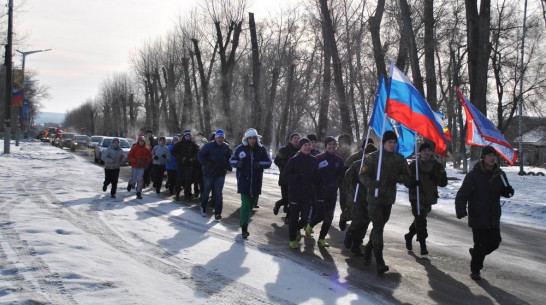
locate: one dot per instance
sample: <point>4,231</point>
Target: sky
<point>93,39</point>
<point>63,241</point>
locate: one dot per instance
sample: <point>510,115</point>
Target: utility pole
<point>520,122</point>
<point>9,91</point>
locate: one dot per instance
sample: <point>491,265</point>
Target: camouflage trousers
<point>360,223</point>
<point>379,215</point>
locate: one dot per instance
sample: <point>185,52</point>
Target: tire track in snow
<point>50,283</point>
<point>219,289</point>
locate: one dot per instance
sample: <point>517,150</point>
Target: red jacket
<point>142,153</point>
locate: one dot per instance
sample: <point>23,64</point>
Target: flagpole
<point>383,128</point>
<point>417,177</point>
<point>362,161</point>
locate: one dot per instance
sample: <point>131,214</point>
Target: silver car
<point>105,143</point>
<point>94,141</point>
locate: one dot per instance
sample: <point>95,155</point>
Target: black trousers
<point>171,179</point>
<point>157,176</point>
<point>111,176</point>
<point>485,242</point>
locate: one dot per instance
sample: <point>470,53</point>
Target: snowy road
<point>64,241</point>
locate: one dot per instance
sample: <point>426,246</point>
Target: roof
<point>535,136</point>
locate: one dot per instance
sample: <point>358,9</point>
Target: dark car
<point>79,142</point>
<point>66,140</point>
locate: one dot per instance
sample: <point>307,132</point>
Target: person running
<point>171,167</point>
<point>331,170</point>
<point>301,176</point>
<point>285,153</point>
<point>250,159</point>
<point>113,156</point>
<point>394,169</point>
<point>432,175</point>
<point>150,143</point>
<point>344,150</point>
<point>185,153</point>
<point>140,158</point>
<point>359,207</point>
<point>481,191</point>
<point>215,157</point>
<point>160,155</point>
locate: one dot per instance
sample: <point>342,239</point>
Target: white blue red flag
<point>481,132</point>
<point>406,105</point>
<point>406,137</point>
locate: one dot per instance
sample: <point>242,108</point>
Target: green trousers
<point>247,204</point>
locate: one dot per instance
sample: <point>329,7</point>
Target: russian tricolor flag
<point>406,105</point>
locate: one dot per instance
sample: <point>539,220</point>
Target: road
<point>514,274</point>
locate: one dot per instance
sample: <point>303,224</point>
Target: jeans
<point>137,177</point>
<point>217,185</point>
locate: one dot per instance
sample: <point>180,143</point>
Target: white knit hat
<point>251,132</point>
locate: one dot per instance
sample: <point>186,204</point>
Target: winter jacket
<point>394,169</point>
<point>151,142</point>
<point>431,175</point>
<point>112,156</point>
<point>160,154</point>
<point>215,159</point>
<point>140,153</point>
<point>481,190</point>
<point>301,176</point>
<point>331,171</point>
<point>185,152</point>
<point>281,159</point>
<point>171,165</point>
<point>250,171</point>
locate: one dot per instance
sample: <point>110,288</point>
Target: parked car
<point>105,142</point>
<point>66,140</point>
<point>79,142</point>
<point>94,141</point>
<point>57,141</point>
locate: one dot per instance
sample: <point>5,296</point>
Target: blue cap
<point>219,133</point>
<point>187,132</point>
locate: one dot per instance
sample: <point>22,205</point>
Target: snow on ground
<point>63,241</point>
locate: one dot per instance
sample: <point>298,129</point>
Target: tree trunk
<point>204,88</point>
<point>267,132</point>
<point>256,65</point>
<point>187,104</point>
<point>430,68</point>
<point>338,74</point>
<point>412,46</point>
<point>375,31</point>
<point>197,96</point>
<point>325,93</point>
<point>289,101</point>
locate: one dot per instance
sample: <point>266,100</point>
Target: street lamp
<point>20,121</point>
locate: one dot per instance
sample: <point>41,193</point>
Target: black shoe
<point>256,207</point>
<point>471,251</point>
<point>368,254</point>
<point>276,209</point>
<point>138,195</point>
<point>104,187</point>
<point>245,232</point>
<point>177,198</point>
<point>381,269</point>
<point>217,218</point>
<point>348,241</point>
<point>196,195</point>
<point>408,237</point>
<point>129,187</point>
<point>285,208</point>
<point>424,250</point>
<point>187,198</point>
<point>342,224</point>
<point>356,250</point>
<point>112,195</point>
<point>475,275</point>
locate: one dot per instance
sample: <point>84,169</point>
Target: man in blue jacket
<point>250,159</point>
<point>214,157</point>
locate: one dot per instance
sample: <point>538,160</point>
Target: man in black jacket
<point>185,153</point>
<point>284,154</point>
<point>481,190</point>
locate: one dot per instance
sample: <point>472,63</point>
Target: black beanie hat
<point>423,146</point>
<point>312,137</point>
<point>487,150</point>
<point>149,131</point>
<point>370,149</point>
<point>293,135</point>
<point>370,141</point>
<point>303,141</point>
<point>328,140</point>
<point>389,135</point>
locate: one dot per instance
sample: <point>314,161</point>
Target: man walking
<point>185,152</point>
<point>113,156</point>
<point>284,154</point>
<point>140,158</point>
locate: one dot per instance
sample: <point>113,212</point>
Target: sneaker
<point>129,187</point>
<point>348,241</point>
<point>104,187</point>
<point>245,233</point>
<point>408,239</point>
<point>298,235</point>
<point>217,218</point>
<point>308,231</point>
<point>203,212</point>
<point>294,244</point>
<point>382,269</point>
<point>276,209</point>
<point>475,275</point>
<point>112,195</point>
<point>138,195</point>
<point>323,243</point>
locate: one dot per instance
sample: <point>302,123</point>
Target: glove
<point>461,214</point>
<point>240,164</point>
<point>156,158</point>
<point>164,156</point>
<point>509,191</point>
<point>139,162</point>
<point>257,165</point>
<point>209,164</point>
